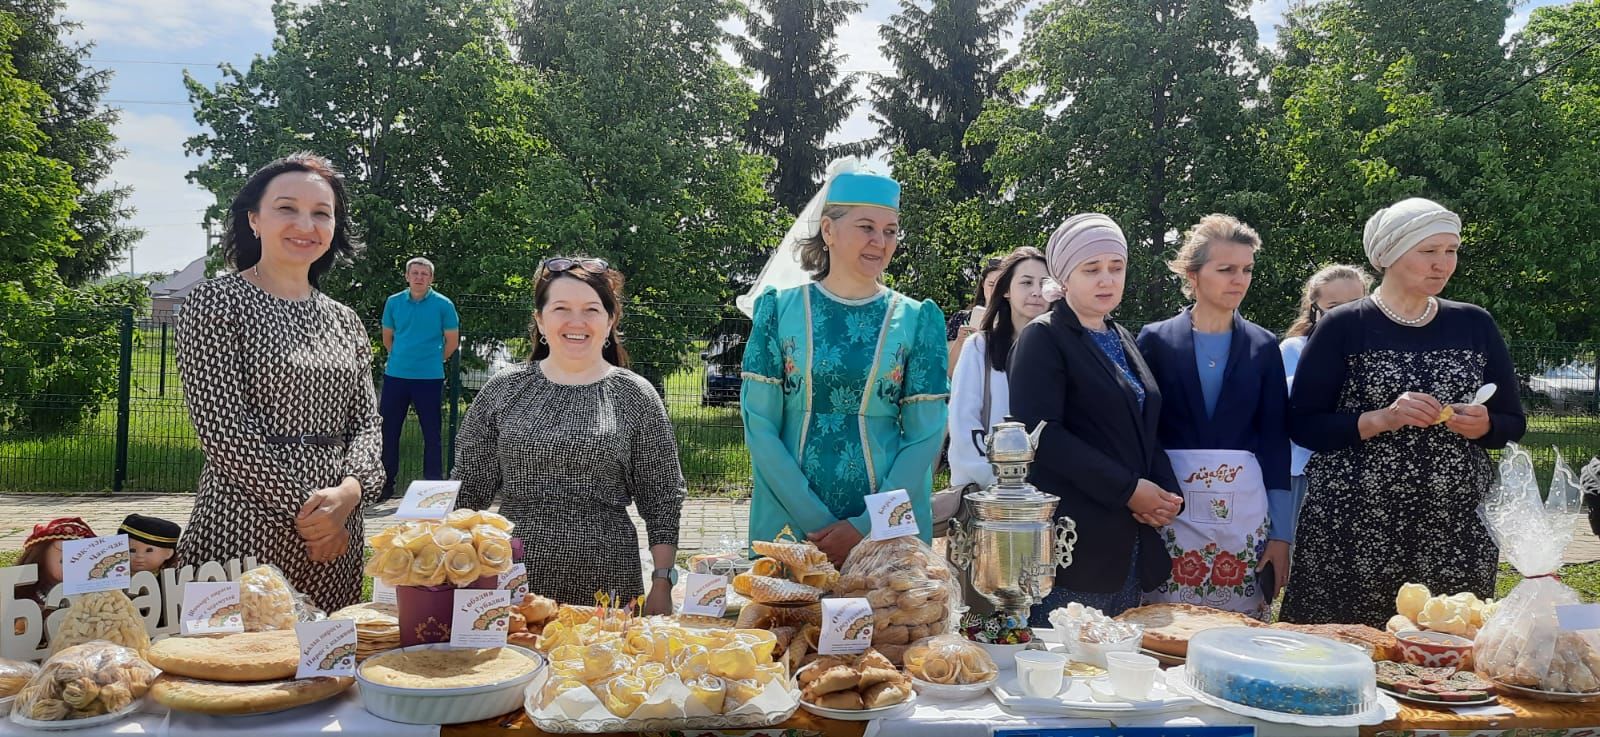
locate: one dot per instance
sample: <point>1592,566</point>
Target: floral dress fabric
<point>841,399</point>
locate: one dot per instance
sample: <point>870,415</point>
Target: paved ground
<point>704,523</point>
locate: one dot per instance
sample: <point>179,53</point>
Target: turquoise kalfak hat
<point>864,188</point>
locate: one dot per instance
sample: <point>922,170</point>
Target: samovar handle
<point>959,542</point>
<point>1066,538</point>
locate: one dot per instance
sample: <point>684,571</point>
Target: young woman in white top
<point>1330,287</point>
<point>1015,302</point>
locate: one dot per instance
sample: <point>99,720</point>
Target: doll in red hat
<point>43,548</point>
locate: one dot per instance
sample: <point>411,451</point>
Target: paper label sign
<point>482,618</point>
<point>1578,617</point>
<point>383,593</point>
<point>96,564</point>
<point>515,582</point>
<point>428,500</point>
<point>210,607</point>
<point>891,515</point>
<point>847,627</point>
<point>327,648</point>
<point>706,593</point>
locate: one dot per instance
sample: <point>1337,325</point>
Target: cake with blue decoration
<point>1286,672</point>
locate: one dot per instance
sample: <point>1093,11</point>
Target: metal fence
<point>140,438</point>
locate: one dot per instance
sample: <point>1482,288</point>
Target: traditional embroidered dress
<point>841,399</point>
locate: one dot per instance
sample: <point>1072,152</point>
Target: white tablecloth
<point>343,716</point>
<point>933,718</point>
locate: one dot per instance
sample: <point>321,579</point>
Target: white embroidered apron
<point>1217,542</point>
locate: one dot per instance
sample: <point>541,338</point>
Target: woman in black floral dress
<point>1399,460</point>
<point>278,378</point>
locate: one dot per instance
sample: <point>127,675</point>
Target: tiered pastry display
<point>785,585</point>
<point>83,682</point>
<point>377,627</point>
<point>102,615</point>
<point>623,663</point>
<point>435,684</point>
<point>853,683</point>
<point>1442,685</point>
<point>529,617</point>
<point>464,547</point>
<point>1382,645</point>
<point>912,591</point>
<point>949,660</point>
<point>1281,671</point>
<point>1168,628</point>
<point>1461,614</point>
<point>236,674</point>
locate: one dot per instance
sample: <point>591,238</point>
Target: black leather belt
<point>329,440</point>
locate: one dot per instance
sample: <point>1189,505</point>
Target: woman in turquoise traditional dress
<point>844,379</point>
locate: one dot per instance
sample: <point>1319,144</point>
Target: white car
<point>1565,385</point>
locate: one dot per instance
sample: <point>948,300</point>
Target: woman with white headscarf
<point>1399,458</point>
<point>1080,372</point>
<point>844,379</point>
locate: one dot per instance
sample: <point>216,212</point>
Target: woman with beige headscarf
<point>1080,372</point>
<point>1399,458</point>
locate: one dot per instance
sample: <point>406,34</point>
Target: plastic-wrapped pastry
<point>268,601</point>
<point>14,674</point>
<point>709,692</point>
<point>949,659</point>
<point>84,680</point>
<point>911,589</point>
<point>102,615</point>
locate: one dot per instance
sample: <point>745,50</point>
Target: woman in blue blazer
<point>1224,426</point>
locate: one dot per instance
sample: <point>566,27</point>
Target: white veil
<point>783,267</point>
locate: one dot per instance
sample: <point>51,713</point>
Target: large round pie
<point>430,668</point>
<point>1384,645</point>
<point>239,699</point>
<point>1168,627</point>
<point>241,657</point>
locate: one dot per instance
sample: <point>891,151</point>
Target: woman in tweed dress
<point>568,440</point>
<point>278,379</point>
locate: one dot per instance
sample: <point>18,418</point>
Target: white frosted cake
<point>1282,671</point>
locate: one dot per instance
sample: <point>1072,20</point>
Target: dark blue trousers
<point>399,396</point>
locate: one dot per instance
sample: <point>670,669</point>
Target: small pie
<point>241,657</point>
<point>431,668</point>
<point>1384,645</point>
<point>239,699</point>
<point>1168,627</point>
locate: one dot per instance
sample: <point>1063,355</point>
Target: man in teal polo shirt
<point>420,330</point>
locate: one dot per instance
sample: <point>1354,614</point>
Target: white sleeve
<point>967,463</point>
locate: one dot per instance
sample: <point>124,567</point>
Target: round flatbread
<point>242,657</point>
<point>370,615</point>
<point>1168,627</point>
<point>239,699</point>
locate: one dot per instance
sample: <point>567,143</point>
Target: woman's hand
<point>1470,421</point>
<point>1414,409</point>
<point>1152,505</point>
<point>326,511</point>
<point>328,549</point>
<point>658,600</point>
<point>836,541</point>
<point>1277,553</point>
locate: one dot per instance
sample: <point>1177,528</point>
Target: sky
<point>150,43</point>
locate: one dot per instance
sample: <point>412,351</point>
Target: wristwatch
<point>671,574</point>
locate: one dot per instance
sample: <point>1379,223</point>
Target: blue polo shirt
<point>419,326</point>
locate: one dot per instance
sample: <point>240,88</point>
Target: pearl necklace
<point>1427,312</point>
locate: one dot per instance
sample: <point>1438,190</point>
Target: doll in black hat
<point>152,541</point>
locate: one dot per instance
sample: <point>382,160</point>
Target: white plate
<point>953,691</point>
<point>115,716</point>
<point>1076,697</point>
<point>1382,709</point>
<point>1553,696</point>
<point>1485,701</point>
<point>859,715</point>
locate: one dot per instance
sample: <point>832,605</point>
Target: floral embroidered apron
<point>1217,542</point>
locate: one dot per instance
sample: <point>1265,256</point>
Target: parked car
<point>1566,386</point>
<point>724,359</point>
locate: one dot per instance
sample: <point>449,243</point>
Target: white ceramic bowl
<point>447,705</point>
<point>953,691</point>
<point>1004,656</point>
<point>1094,653</point>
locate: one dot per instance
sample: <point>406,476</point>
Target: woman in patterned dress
<point>278,379</point>
<point>844,379</point>
<point>1394,478</point>
<point>567,440</point>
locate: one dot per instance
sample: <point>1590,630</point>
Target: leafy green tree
<point>58,345</point>
<point>803,98</point>
<point>948,63</point>
<point>78,131</point>
<point>1142,110</point>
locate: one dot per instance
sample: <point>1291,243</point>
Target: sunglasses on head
<point>560,264</point>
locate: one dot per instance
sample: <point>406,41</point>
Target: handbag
<point>949,502</point>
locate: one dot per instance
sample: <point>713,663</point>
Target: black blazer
<point>1095,449</point>
<point>1252,409</point>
